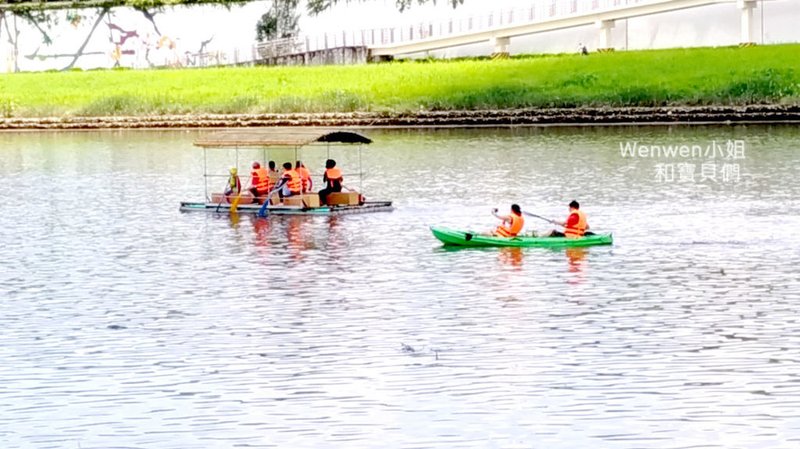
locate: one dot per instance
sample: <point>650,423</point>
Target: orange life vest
<point>295,183</point>
<point>260,180</point>
<point>305,177</point>
<point>573,232</point>
<point>517,222</point>
<point>333,176</point>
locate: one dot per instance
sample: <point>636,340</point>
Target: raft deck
<point>224,208</point>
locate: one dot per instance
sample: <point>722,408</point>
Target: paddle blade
<point>235,203</point>
<point>263,211</point>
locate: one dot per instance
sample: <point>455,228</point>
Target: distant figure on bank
<point>512,224</point>
<point>259,181</point>
<point>234,185</point>
<point>576,224</point>
<point>305,176</point>
<point>332,180</point>
<point>290,183</point>
<point>582,49</point>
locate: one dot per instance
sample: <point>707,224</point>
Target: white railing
<point>279,47</point>
<point>538,11</point>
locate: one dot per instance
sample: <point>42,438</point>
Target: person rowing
<point>290,184</point>
<point>234,185</point>
<point>511,224</point>
<point>259,180</point>
<point>575,226</point>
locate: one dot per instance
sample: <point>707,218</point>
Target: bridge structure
<point>498,28</point>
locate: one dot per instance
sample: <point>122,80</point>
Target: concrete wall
<point>331,56</point>
<point>127,37</point>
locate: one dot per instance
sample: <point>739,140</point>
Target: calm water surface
<point>126,323</point>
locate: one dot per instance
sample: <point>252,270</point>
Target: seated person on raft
<point>512,223</point>
<point>259,180</point>
<point>332,179</point>
<point>233,187</point>
<point>290,183</point>
<point>576,224</point>
<point>305,176</point>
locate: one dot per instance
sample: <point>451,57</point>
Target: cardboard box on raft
<point>343,198</point>
<point>305,200</point>
<point>247,198</point>
<point>217,198</point>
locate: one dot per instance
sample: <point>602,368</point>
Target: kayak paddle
<point>543,218</point>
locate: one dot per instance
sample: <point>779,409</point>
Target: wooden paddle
<point>235,202</point>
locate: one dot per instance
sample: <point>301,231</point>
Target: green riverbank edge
<point>518,117</point>
<point>530,88</point>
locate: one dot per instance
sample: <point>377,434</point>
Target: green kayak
<point>467,238</point>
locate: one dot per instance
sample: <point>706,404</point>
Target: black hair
<point>272,165</point>
<point>574,204</point>
<point>298,164</point>
<point>287,165</point>
<point>515,208</point>
<point>330,163</point>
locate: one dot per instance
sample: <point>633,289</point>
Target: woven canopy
<point>270,137</point>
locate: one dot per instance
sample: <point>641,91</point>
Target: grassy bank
<point>703,76</point>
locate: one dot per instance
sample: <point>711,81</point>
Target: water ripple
<point>129,324</point>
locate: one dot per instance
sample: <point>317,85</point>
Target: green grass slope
<point>697,76</point>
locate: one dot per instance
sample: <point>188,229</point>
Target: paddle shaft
<point>543,218</point>
<point>263,211</point>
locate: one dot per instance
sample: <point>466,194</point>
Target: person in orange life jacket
<point>512,224</point>
<point>333,181</point>
<point>234,185</point>
<point>305,176</point>
<point>290,183</point>
<point>576,224</point>
<point>259,180</point>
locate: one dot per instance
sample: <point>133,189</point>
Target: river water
<point>126,323</point>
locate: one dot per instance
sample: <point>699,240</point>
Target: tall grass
<point>701,76</point>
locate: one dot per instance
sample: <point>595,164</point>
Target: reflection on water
<point>511,256</point>
<point>129,324</point>
<point>576,258</point>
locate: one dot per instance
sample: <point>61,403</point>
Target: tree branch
<point>78,53</point>
<point>149,16</point>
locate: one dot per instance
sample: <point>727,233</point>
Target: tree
<point>279,22</point>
